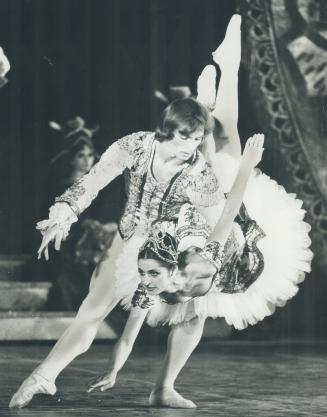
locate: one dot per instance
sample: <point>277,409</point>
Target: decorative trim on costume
<point>173,186</point>
<point>192,228</point>
<point>204,188</point>
<point>133,142</point>
<point>214,253</point>
<point>137,177</point>
<point>142,299</point>
<point>269,90</point>
<point>71,195</point>
<point>241,269</point>
<point>163,245</point>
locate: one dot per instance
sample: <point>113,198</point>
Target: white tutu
<point>285,249</point>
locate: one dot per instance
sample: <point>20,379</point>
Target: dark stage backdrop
<point>102,60</point>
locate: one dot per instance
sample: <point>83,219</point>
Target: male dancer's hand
<point>105,381</point>
<point>55,234</point>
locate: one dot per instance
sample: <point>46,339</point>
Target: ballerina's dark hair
<point>148,253</point>
<point>184,115</point>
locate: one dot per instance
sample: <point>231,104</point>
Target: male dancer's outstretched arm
<point>79,196</point>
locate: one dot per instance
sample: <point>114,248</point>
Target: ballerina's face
<point>193,280</point>
<point>155,276</point>
<point>184,147</point>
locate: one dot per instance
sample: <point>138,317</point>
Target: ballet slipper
<point>168,397</point>
<point>206,86</point>
<point>34,384</point>
<point>228,53</point>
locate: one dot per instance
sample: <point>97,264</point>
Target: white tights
<point>100,301</point>
<point>183,339</point>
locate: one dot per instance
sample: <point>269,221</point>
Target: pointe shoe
<point>168,397</point>
<point>34,384</point>
<point>228,53</point>
<point>206,86</point>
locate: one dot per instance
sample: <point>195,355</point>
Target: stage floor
<point>228,379</point>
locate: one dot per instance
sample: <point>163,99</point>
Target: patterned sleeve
<point>204,189</point>
<point>192,228</point>
<point>206,194</point>
<point>119,156</point>
<point>114,160</point>
<point>143,299</point>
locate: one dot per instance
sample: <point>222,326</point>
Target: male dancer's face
<point>184,147</point>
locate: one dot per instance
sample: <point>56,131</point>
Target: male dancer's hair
<point>184,116</point>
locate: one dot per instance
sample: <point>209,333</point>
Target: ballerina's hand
<point>105,381</point>
<point>54,233</point>
<point>253,150</point>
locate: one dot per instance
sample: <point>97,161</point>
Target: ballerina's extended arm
<point>251,157</point>
<point>121,350</point>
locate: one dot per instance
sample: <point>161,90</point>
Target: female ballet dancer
<point>246,295</point>
<point>164,170</point>
<point>170,278</point>
<point>242,273</point>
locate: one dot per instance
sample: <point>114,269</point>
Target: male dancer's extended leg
<point>78,337</point>
<point>182,340</point>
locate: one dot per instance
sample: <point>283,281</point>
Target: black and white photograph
<point>163,212</point>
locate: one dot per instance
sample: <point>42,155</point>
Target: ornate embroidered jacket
<point>147,200</point>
